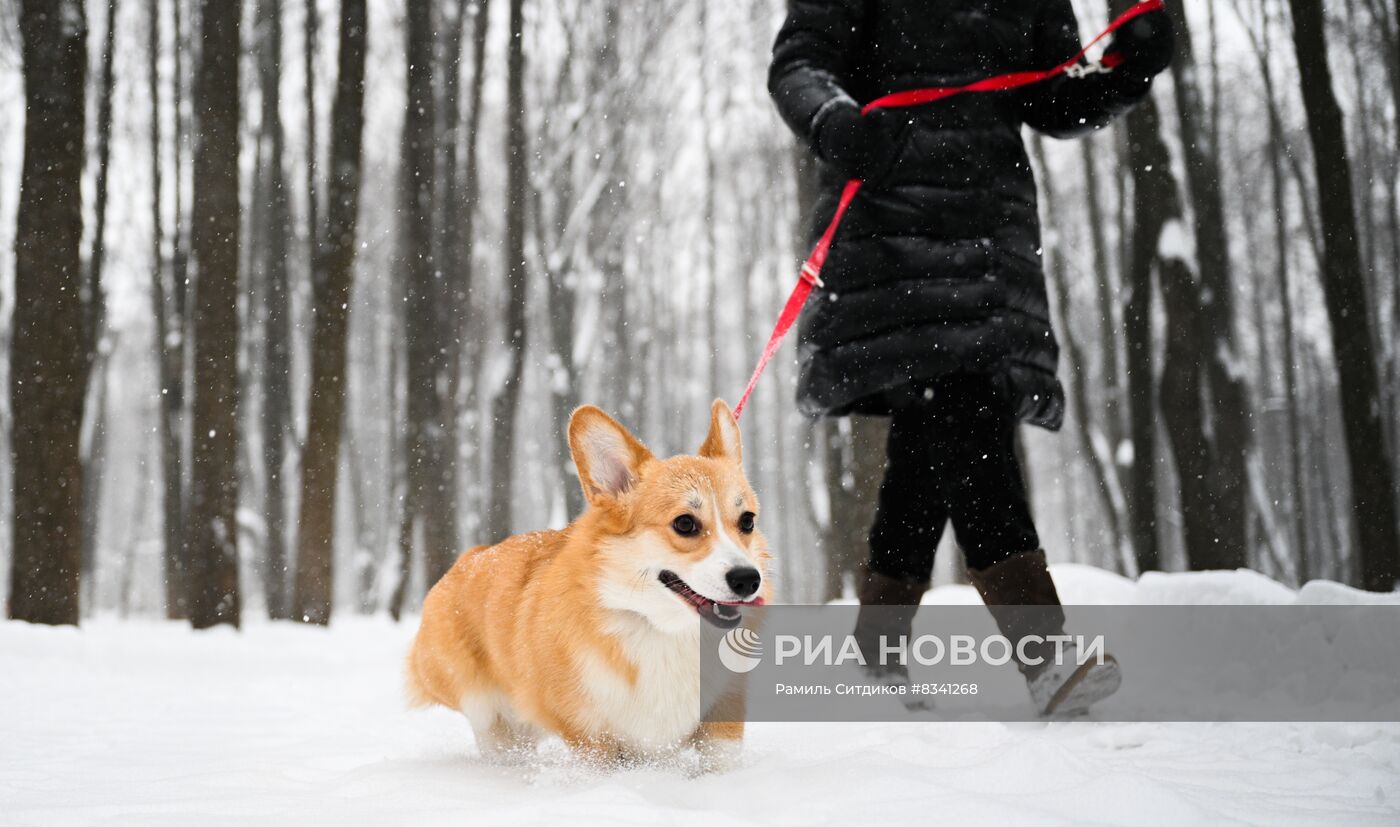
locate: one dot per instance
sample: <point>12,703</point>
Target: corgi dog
<point>592,633</point>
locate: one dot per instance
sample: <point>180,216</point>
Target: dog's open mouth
<point>724,614</point>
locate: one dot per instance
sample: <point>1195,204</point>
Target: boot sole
<point>1090,683</point>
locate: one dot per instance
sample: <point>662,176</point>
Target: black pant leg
<point>911,515</point>
<point>982,479</point>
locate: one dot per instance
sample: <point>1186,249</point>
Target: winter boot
<point>887,607</point>
<point>1022,599</point>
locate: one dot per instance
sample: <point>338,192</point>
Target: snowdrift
<point>149,722</point>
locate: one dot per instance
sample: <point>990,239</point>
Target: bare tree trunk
<point>368,555</point>
<point>399,456</point>
<point>94,301</point>
<point>1369,168</point>
<point>1298,514</point>
<point>1388,27</point>
<point>448,320</point>
<point>504,407</point>
<point>1332,535</point>
<point>310,24</point>
<point>331,283</point>
<point>852,460</point>
<point>563,380</point>
<point>213,521</point>
<point>135,536</point>
<point>46,355</point>
<point>168,345</point>
<point>1181,390</point>
<point>405,573</point>
<point>277,362</point>
<point>1217,517</point>
<point>1298,511</point>
<point>95,313</point>
<point>448,201</point>
<point>558,248</point>
<point>466,351</point>
<point>1105,287</point>
<point>1154,197</point>
<point>1266,531</point>
<point>606,239</point>
<point>98,413</point>
<point>1096,454</point>
<point>855,464</point>
<point>183,321</point>
<point>431,494</point>
<point>840,559</point>
<point>1372,475</point>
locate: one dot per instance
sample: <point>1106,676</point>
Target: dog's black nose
<point>744,580</point>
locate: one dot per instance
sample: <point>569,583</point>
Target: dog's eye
<point>746,522</point>
<point>685,525</point>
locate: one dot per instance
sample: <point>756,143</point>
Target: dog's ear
<point>723,440</point>
<point>608,458</point>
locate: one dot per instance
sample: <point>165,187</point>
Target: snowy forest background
<point>526,205</point>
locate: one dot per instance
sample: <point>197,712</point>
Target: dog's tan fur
<point>569,632</point>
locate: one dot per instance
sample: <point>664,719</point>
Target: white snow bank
<point>1090,586</point>
<point>151,723</point>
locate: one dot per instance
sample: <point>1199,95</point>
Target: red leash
<point>812,269</point>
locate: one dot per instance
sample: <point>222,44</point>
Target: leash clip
<point>1082,70</point>
<point>811,276</point>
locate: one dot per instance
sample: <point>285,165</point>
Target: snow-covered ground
<point>148,722</point>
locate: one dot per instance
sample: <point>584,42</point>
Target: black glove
<point>1146,44</point>
<point>861,146</point>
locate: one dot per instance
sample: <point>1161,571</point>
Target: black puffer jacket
<point>936,268</point>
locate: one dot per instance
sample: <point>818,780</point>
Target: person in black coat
<point>933,309</point>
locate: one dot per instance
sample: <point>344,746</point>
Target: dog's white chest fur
<point>661,708</point>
